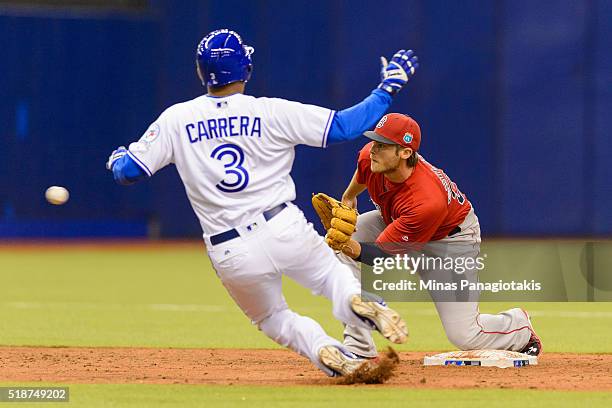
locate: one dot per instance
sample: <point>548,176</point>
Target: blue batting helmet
<point>223,58</point>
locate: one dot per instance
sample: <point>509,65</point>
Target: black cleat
<point>534,345</point>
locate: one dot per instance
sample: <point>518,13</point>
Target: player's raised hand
<point>396,73</point>
<point>115,155</point>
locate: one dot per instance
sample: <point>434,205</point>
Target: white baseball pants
<point>251,266</point>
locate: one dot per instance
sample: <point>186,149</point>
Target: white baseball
<point>57,195</point>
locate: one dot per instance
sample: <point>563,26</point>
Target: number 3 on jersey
<point>237,178</point>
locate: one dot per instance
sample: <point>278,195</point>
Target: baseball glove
<point>338,219</point>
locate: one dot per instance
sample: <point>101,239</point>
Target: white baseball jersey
<point>233,153</point>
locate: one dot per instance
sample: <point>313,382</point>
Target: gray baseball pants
<point>465,326</point>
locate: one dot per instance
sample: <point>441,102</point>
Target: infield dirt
<point>555,371</point>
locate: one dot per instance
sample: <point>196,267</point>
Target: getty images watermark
<point>414,263</point>
<point>448,265</point>
<point>504,270</point>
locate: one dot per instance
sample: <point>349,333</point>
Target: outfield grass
<point>172,298</point>
<point>135,395</point>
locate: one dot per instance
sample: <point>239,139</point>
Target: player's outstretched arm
<point>125,170</point>
<point>348,124</point>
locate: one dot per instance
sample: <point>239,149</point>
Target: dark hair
<point>412,160</point>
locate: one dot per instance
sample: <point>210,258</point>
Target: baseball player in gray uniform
<point>419,209</point>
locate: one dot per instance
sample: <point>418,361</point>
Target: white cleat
<point>339,361</point>
<point>386,320</point>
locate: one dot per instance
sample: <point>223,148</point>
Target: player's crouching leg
<point>299,333</point>
<point>465,338</point>
<point>508,330</point>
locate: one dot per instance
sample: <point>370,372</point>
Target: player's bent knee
<point>463,340</point>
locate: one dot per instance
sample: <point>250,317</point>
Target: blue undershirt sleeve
<point>126,171</point>
<point>350,123</point>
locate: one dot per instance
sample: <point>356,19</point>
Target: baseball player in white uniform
<point>234,153</point>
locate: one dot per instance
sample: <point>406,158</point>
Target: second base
<point>483,358</point>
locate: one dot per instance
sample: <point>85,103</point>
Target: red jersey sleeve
<point>363,163</point>
<point>416,227</point>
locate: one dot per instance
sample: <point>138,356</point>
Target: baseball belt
<point>233,233</point>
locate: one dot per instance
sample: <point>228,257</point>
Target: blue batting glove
<point>396,73</point>
<point>115,155</point>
